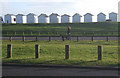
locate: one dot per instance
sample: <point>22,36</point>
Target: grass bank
<point>78,29</point>
<point>83,53</point>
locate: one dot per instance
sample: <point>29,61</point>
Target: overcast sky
<point>58,6</point>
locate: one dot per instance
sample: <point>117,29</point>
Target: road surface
<point>55,71</point>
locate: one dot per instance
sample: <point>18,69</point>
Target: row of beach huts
<point>55,18</point>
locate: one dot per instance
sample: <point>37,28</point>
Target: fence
<point>37,51</point>
<point>63,38</point>
<point>58,33</point>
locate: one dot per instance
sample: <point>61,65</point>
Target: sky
<point>61,7</point>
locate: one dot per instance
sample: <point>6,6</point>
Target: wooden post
<point>7,33</point>
<point>56,33</point>
<point>31,33</point>
<point>84,33</point>
<point>37,51</point>
<point>75,34</point>
<point>15,33</point>
<point>50,38</point>
<point>10,38</point>
<point>67,51</point>
<point>9,51</point>
<point>77,39</point>
<point>23,38</point>
<point>63,38</point>
<point>36,38</point>
<point>107,39</point>
<point>23,33</point>
<point>92,38</point>
<point>39,33</point>
<point>99,52</point>
<point>93,34</point>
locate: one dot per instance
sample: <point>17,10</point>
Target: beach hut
<point>113,16</point>
<point>42,18</point>
<point>65,18</point>
<point>1,20</point>
<point>32,18</point>
<point>10,18</point>
<point>88,17</point>
<point>20,18</point>
<point>76,18</point>
<point>54,18</point>
<point>101,17</point>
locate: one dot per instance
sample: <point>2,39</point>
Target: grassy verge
<point>83,53</point>
<point>55,29</point>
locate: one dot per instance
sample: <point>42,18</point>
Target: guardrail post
<point>99,52</point>
<point>50,38</point>
<point>92,38</point>
<point>63,38</point>
<point>67,51</point>
<point>107,39</point>
<point>31,33</point>
<point>77,39</point>
<point>75,34</point>
<point>15,33</point>
<point>56,33</point>
<point>84,33</point>
<point>7,33</point>
<point>23,38</point>
<point>9,51</point>
<point>36,38</point>
<point>10,38</point>
<point>39,33</point>
<point>93,34</point>
<point>23,33</point>
<point>37,51</point>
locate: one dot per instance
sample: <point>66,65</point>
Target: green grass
<point>83,53</point>
<point>78,29</point>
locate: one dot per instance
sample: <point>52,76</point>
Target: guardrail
<point>63,38</point>
<point>58,33</point>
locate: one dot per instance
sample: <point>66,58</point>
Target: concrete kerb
<point>62,66</point>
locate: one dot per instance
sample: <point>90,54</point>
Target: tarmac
<point>12,69</point>
<point>63,66</point>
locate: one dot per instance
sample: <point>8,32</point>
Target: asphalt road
<point>60,38</point>
<point>53,71</point>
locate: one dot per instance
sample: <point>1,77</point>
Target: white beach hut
<point>113,16</point>
<point>101,17</point>
<point>76,18</point>
<point>88,17</point>
<point>42,18</point>
<point>54,18</point>
<point>32,18</point>
<point>20,18</point>
<point>1,20</point>
<point>65,18</point>
<point>10,18</point>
